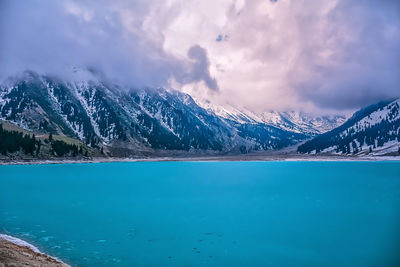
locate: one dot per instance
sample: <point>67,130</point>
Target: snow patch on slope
<point>57,107</point>
<point>292,121</point>
<point>390,113</point>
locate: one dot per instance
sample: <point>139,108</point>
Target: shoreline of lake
<point>278,157</point>
<point>15,251</point>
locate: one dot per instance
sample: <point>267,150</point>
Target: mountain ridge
<point>125,122</point>
<point>376,127</point>
<point>299,122</point>
<point>129,121</point>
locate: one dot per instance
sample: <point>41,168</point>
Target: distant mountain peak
<point>299,122</point>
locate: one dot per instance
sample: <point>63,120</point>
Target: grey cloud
<point>296,54</point>
<point>364,64</point>
<point>53,36</point>
<point>200,68</point>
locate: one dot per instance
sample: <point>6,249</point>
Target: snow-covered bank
<point>19,242</point>
<point>17,252</point>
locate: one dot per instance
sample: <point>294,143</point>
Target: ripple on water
<point>47,238</point>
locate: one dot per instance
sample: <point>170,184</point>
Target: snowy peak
<point>292,121</point>
<point>302,122</point>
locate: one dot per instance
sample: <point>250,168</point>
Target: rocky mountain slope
<point>374,130</point>
<point>298,122</point>
<point>126,121</point>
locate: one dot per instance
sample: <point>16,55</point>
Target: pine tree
<point>39,143</point>
<point>74,151</point>
<point>50,137</point>
<point>93,142</point>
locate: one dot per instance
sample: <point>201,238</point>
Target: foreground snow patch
<point>19,242</point>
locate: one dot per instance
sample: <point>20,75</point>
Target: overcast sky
<point>325,55</point>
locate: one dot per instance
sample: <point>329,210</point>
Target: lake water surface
<point>206,213</point>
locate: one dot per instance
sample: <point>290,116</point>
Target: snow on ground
<point>377,117</point>
<point>57,107</point>
<point>389,147</point>
<point>19,242</point>
<point>298,122</point>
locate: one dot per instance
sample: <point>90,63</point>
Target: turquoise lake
<point>206,213</point>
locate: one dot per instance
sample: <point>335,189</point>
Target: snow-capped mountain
<point>131,121</point>
<point>373,130</point>
<point>298,122</point>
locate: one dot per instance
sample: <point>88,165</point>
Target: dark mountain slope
<point>374,127</point>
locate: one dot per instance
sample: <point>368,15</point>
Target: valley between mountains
<point>47,118</point>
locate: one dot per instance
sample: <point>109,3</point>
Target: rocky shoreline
<point>16,252</point>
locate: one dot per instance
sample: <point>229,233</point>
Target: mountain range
<point>102,118</point>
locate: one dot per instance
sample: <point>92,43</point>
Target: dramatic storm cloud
<point>261,54</point>
<point>111,37</point>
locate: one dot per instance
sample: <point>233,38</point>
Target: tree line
<point>14,141</point>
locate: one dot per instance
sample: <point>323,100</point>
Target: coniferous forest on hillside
<point>15,142</point>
